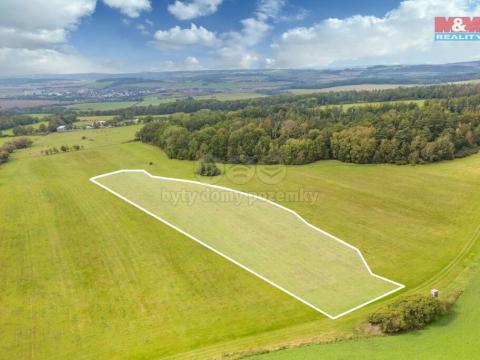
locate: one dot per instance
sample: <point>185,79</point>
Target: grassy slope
<point>84,272</point>
<point>453,337</point>
<point>265,238</point>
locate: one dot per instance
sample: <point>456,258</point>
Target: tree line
<point>310,100</point>
<point>22,125</point>
<point>12,121</point>
<point>398,133</point>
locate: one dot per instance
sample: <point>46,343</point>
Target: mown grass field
<point>266,239</point>
<point>86,275</point>
<point>452,337</point>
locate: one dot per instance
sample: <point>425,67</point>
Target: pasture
<point>261,237</point>
<point>452,337</point>
<point>85,274</point>
<point>101,106</point>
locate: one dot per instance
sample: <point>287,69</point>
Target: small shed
<point>61,128</point>
<point>434,293</point>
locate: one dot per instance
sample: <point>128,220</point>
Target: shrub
<point>8,147</point>
<point>23,143</point>
<point>410,313</point>
<point>207,167</point>
<point>4,155</point>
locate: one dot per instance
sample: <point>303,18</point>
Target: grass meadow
<point>265,238</point>
<point>101,106</point>
<point>86,275</point>
<point>453,337</point>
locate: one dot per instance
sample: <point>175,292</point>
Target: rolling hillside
<point>85,274</point>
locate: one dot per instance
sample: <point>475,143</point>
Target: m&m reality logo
<point>459,28</point>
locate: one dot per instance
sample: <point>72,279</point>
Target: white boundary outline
<point>333,317</point>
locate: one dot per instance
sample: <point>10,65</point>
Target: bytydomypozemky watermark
<point>214,195</point>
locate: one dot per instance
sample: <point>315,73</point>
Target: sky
<point>119,36</point>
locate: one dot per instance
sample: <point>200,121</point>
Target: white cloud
<point>191,61</point>
<point>237,51</point>
<point>42,61</point>
<point>177,37</point>
<point>21,24</point>
<point>403,35</point>
<point>237,57</point>
<point>270,8</point>
<point>18,38</point>
<point>184,10</point>
<point>43,14</point>
<point>34,33</point>
<point>131,8</point>
<point>253,31</point>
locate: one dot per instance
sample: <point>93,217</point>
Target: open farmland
<point>101,106</point>
<point>358,87</point>
<point>153,100</point>
<point>453,337</point>
<point>263,238</point>
<point>81,280</point>
<point>7,104</point>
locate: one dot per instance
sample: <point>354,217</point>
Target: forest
<point>299,132</point>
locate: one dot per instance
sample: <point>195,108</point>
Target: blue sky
<point>167,35</point>
<point>108,35</point>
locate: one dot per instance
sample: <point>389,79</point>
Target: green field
<point>360,87</point>
<point>86,275</point>
<point>89,120</point>
<point>231,96</point>
<point>264,238</point>
<point>101,106</point>
<point>452,337</point>
<point>154,100</point>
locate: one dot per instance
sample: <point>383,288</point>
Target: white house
<point>99,123</point>
<point>61,128</point>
